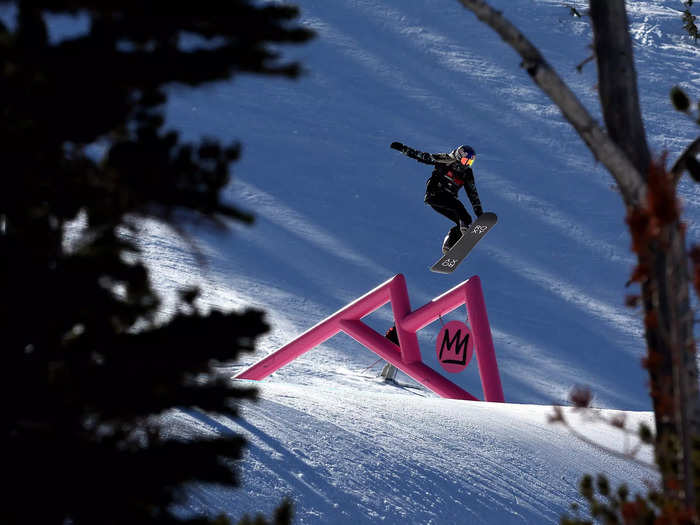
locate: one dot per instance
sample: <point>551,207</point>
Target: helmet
<point>465,155</point>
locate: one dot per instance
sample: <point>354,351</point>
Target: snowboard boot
<point>451,238</point>
<point>389,372</point>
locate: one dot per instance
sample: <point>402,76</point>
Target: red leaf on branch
<point>581,397</point>
<point>651,320</point>
<point>640,274</point>
<point>632,301</point>
<point>638,220</point>
<point>662,203</point>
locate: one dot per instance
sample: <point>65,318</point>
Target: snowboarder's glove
<point>478,211</point>
<point>398,146</point>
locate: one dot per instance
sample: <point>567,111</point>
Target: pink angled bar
<point>406,357</point>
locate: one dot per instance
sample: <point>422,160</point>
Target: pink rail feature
<point>407,356</point>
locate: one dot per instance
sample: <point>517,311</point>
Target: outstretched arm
<point>420,156</point>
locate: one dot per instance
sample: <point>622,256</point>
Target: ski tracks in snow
<point>272,209</point>
<point>626,325</point>
<point>456,461</point>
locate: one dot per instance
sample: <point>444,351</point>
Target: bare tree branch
<point>579,68</point>
<point>629,455</point>
<point>629,180</point>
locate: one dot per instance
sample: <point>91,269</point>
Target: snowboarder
<point>451,171</point>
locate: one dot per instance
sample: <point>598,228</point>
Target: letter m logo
<point>454,350</point>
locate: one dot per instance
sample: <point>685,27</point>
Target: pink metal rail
<point>407,356</point>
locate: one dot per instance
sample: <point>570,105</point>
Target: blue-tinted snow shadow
<point>344,493</point>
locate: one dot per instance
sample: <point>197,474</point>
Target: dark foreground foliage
<point>89,364</point>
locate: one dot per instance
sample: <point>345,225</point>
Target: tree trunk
<point>671,363</point>
<point>668,319</point>
<point>617,81</point>
<point>624,152</point>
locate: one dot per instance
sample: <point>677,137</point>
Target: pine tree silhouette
<point>87,368</point>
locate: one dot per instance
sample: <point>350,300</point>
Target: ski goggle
<point>468,159</point>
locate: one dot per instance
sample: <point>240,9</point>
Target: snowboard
<point>481,226</point>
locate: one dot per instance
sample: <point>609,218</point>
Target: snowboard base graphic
<point>481,226</point>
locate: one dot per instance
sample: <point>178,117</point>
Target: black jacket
<point>448,176</point>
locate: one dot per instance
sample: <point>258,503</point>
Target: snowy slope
<point>338,213</point>
<point>342,213</point>
<point>376,456</point>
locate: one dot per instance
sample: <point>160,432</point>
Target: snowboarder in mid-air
<point>451,171</point>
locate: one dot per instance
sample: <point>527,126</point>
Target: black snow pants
<point>449,206</point>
